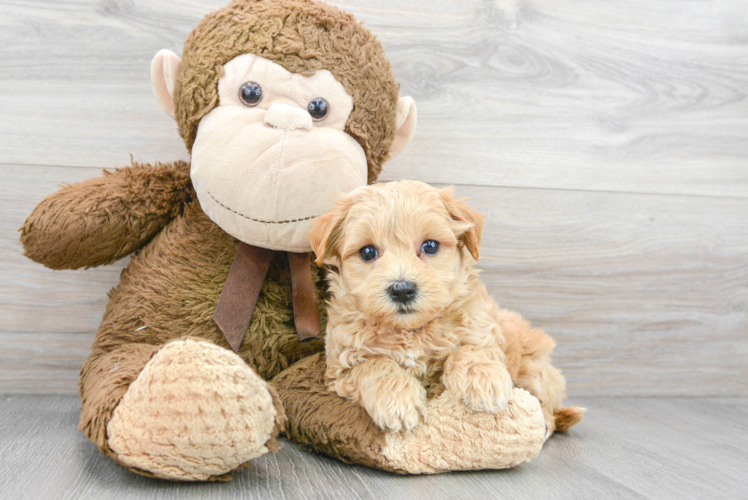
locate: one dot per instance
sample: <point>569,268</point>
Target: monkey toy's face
<point>273,155</point>
<point>274,138</point>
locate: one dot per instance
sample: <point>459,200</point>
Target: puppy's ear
<point>471,228</point>
<point>326,230</point>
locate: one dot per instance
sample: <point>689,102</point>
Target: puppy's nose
<point>402,291</point>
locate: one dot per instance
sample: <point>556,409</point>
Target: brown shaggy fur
<point>101,220</point>
<point>385,355</point>
<point>182,258</point>
<point>303,36</point>
<point>171,286</point>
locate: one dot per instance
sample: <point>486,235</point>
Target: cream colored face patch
<point>265,163</point>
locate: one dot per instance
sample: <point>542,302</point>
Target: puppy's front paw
<point>395,403</point>
<point>484,386</point>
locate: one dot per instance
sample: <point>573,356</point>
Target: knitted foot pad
<point>196,411</point>
<point>455,438</point>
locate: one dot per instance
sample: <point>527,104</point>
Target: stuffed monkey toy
<point>211,343</point>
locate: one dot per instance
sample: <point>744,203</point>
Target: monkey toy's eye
<point>250,94</point>
<point>318,108</point>
<point>368,253</point>
<point>430,247</point>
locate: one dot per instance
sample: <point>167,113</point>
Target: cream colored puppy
<point>408,316</point>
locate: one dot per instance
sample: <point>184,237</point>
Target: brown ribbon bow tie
<point>239,294</point>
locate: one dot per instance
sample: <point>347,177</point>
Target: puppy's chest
<point>422,354</point>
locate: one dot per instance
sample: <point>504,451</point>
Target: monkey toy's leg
<point>160,405</point>
<point>187,410</point>
<point>451,437</point>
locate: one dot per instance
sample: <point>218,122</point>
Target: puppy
<point>408,316</point>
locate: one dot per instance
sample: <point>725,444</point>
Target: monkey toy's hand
<point>100,220</point>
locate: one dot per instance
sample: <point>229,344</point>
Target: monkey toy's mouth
<point>261,221</point>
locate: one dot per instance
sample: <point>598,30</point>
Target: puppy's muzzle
<point>402,292</point>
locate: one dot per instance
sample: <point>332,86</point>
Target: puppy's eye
<point>368,253</point>
<point>318,108</point>
<point>250,94</point>
<point>430,247</point>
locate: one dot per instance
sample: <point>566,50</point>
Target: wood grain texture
<point>639,96</point>
<point>606,142</point>
<point>34,299</point>
<point>645,295</point>
<point>42,363</point>
<point>639,448</point>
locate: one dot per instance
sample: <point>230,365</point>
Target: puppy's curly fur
<point>389,350</point>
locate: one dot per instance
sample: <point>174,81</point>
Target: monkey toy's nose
<point>288,117</point>
<point>402,291</point>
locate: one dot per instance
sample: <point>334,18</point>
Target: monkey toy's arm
<point>100,220</point>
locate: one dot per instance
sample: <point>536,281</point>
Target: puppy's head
<point>401,249</point>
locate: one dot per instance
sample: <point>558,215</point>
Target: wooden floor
<point>655,448</point>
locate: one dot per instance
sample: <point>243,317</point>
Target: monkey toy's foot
<point>450,438</point>
<point>196,412</point>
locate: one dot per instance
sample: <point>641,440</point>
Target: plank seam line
<point>500,186</point>
<point>578,190</point>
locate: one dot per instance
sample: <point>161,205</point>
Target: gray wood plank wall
<point>606,141</point>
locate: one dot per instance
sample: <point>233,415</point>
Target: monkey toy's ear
<point>164,69</point>
<point>405,124</point>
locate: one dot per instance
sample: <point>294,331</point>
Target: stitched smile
<point>260,220</point>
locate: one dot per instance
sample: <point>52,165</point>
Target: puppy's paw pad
<point>396,421</point>
<point>490,405</point>
<point>396,404</point>
<point>414,411</point>
<point>487,387</point>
